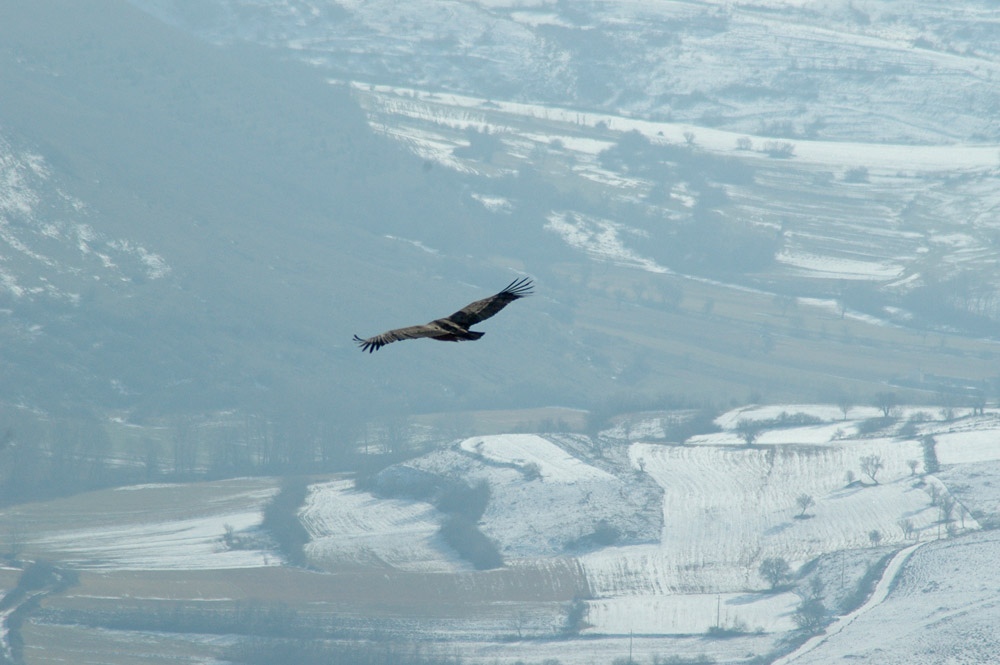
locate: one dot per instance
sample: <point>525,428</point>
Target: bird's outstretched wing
<point>375,343</point>
<point>483,309</point>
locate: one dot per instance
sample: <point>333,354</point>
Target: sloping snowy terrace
<point>695,519</point>
<point>725,508</point>
<point>905,216</point>
<point>150,527</point>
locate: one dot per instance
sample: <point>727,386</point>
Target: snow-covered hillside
<point>725,508</point>
<point>659,543</point>
<point>51,249</point>
<point>350,529</point>
<point>869,125</point>
<point>904,71</point>
<point>149,527</point>
<point>716,198</point>
<point>943,608</point>
<point>905,216</point>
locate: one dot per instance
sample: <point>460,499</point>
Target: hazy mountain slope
<point>895,70</point>
<point>844,152</point>
<point>244,207</point>
<point>190,227</point>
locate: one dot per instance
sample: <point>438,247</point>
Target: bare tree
<point>978,402</point>
<point>185,447</point>
<point>775,570</point>
<point>810,615</point>
<point>930,454</point>
<point>15,540</point>
<point>886,402</point>
<point>875,536</point>
<point>858,174</point>
<point>844,403</point>
<point>779,149</point>
<point>749,430</point>
<point>906,526</point>
<point>871,465</point>
<point>947,509</point>
<point>935,494</point>
<point>518,623</point>
<point>804,502</point>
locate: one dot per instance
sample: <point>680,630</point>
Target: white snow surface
<point>183,533</point>
<point>355,528</point>
<point>944,608</point>
<point>553,462</point>
<point>45,246</point>
<point>838,267</point>
<point>691,614</point>
<point>726,509</point>
<point>185,544</point>
<point>543,497</point>
<point>977,445</point>
<point>839,154</point>
<point>722,508</point>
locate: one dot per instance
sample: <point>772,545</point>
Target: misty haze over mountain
<point>764,243</point>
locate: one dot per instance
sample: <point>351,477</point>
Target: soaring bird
<point>454,328</point>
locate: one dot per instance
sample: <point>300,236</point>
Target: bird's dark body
<point>454,328</point>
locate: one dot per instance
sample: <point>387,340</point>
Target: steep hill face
<point>603,543</point>
<point>849,144</point>
<point>186,227</point>
<point>887,70</point>
<point>190,228</point>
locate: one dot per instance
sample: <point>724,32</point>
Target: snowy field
<point>149,527</point>
<point>691,614</point>
<point>553,463</point>
<point>696,521</point>
<point>543,496</point>
<point>843,238</point>
<point>944,608</point>
<point>350,528</point>
<point>728,506</point>
<point>725,508</point>
<point>469,112</point>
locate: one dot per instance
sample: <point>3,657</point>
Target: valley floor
<point>686,526</point>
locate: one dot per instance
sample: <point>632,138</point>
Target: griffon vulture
<point>454,328</point>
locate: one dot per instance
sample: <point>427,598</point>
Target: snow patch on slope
<point>350,528</point>
<point>553,463</point>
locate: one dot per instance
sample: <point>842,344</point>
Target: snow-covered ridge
<point>846,70</point>
<point>464,111</point>
<point>904,91</point>
<point>131,529</point>
<point>350,528</point>
<point>49,246</point>
<point>911,228</point>
<point>720,506</point>
<point>551,462</point>
<point>725,508</point>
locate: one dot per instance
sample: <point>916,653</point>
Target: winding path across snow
<point>880,593</point>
